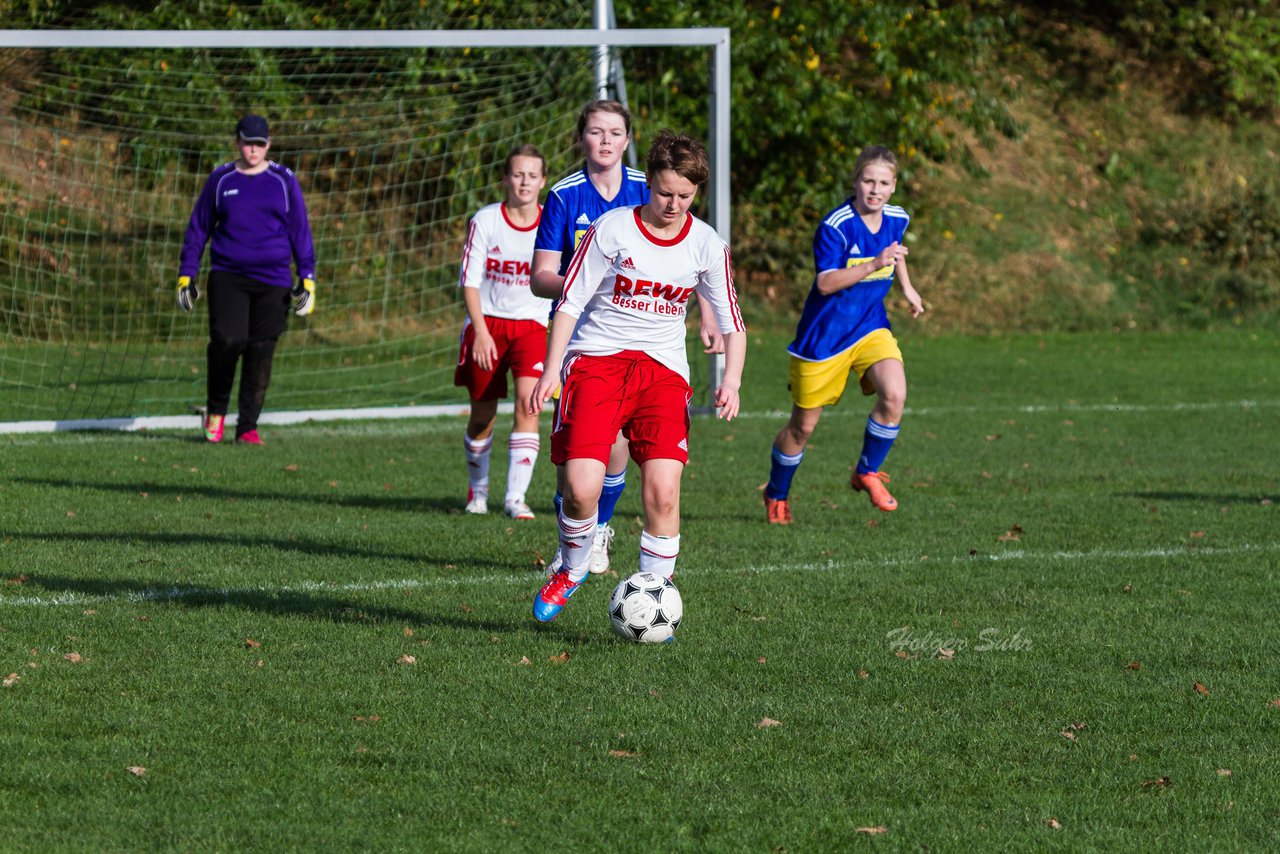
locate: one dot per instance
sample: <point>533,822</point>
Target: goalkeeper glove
<point>304,297</point>
<point>188,293</point>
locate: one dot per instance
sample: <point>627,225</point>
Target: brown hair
<point>678,153</point>
<point>874,154</point>
<point>526,150</point>
<point>602,106</point>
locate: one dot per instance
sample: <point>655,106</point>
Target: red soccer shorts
<point>522,345</point>
<point>648,401</point>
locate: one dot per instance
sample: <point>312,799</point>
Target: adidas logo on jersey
<point>683,445</point>
<point>855,250</point>
<point>582,220</point>
<point>627,264</point>
<point>525,462</point>
<point>497,250</point>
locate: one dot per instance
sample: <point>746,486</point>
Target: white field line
<point>1050,408</point>
<point>411,420</point>
<point>530,579</point>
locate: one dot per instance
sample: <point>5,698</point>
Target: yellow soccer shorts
<point>815,384</point>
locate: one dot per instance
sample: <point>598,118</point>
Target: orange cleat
<point>872,483</point>
<point>777,511</point>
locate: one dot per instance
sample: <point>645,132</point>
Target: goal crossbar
<point>714,38</point>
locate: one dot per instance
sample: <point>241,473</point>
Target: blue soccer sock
<point>557,501</point>
<point>614,484</point>
<point>782,469</point>
<point>876,442</point>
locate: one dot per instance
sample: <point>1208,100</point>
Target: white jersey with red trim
<point>631,290</point>
<point>496,259</point>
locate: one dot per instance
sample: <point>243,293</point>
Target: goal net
<point>397,138</point>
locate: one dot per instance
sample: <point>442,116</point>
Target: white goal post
<point>716,40</point>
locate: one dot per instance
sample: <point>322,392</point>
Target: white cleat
<point>599,561</point>
<point>517,509</point>
<point>477,502</point>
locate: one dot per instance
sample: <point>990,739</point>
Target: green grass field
<point>1064,638</point>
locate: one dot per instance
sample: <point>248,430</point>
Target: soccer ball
<point>646,608</point>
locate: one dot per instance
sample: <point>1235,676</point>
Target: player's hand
<point>727,402</point>
<point>542,392</point>
<point>712,339</point>
<point>188,293</point>
<point>890,255</point>
<point>304,297</point>
<point>484,351</point>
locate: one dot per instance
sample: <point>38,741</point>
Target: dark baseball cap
<point>252,128</point>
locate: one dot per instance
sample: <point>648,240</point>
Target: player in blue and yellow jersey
<point>604,183</point>
<point>858,253</point>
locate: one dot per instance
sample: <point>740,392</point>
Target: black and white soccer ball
<point>646,608</point>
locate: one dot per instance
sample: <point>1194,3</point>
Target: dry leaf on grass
<point>406,659</point>
<point>11,680</point>
<point>1011,535</point>
<point>862,674</point>
<point>1224,772</point>
<point>1275,704</point>
<point>946,654</point>
<point>559,659</point>
<point>367,719</point>
<point>524,659</point>
<point>74,657</point>
<point>1053,822</point>
<point>878,829</point>
<point>767,722</point>
<point>136,770</point>
<point>20,579</point>
<point>1158,783</point>
<point>1133,665</point>
<point>250,643</point>
<point>624,754</point>
<point>1200,689</point>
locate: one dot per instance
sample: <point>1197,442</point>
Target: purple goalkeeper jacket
<point>257,224</point>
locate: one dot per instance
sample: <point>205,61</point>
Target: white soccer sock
<point>658,554</point>
<point>522,457</point>
<point>576,537</point>
<point>478,462</point>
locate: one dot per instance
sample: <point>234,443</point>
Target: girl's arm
<point>483,350</point>
<point>562,325</point>
<point>831,281</point>
<point>544,278</point>
<point>913,297</point>
<point>735,355</point>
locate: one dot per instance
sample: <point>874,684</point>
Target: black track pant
<point>246,319</point>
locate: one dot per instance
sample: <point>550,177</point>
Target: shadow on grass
<point>368,502</point>
<point>268,545</point>
<point>283,601</point>
<point>1205,497</point>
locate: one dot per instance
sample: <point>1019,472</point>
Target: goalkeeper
<point>252,214</point>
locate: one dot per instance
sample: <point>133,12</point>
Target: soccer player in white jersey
<point>604,183</point>
<point>858,253</point>
<point>617,345</point>
<point>505,330</point>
